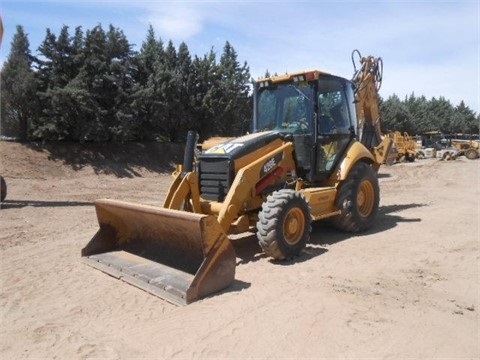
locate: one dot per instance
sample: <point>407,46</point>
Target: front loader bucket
<point>176,255</point>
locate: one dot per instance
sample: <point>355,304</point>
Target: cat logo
<point>224,148</point>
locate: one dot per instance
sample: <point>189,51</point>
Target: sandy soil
<point>409,288</point>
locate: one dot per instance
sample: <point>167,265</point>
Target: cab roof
<point>306,75</point>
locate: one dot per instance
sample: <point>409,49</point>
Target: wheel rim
<point>293,226</point>
<point>471,154</point>
<point>365,198</point>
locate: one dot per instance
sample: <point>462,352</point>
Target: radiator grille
<point>215,178</point>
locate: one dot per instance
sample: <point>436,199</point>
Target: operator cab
<point>317,110</point>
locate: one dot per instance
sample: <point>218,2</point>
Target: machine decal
<point>271,164</point>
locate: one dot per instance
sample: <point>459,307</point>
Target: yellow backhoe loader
<point>314,154</point>
<point>404,145</point>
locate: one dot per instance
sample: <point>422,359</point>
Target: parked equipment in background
<point>469,148</point>
<point>404,146</point>
<point>453,145</point>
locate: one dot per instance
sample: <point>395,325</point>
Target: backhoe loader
<point>404,145</point>
<point>314,152</point>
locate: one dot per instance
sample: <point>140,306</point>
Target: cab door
<point>335,127</point>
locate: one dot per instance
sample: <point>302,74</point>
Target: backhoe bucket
<point>176,255</point>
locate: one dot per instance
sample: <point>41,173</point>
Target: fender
<point>357,152</point>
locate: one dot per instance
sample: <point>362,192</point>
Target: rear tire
<point>358,199</point>
<point>471,154</point>
<point>3,186</point>
<point>284,224</point>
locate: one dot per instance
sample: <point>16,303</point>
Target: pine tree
<point>235,101</point>
<point>18,100</point>
<point>57,68</point>
<point>145,92</point>
<point>464,120</point>
<point>395,115</point>
<point>206,83</point>
<point>99,95</point>
<point>168,83</point>
<point>441,112</point>
<point>184,70</point>
<point>417,108</point>
<point>121,80</point>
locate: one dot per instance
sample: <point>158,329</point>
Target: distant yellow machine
<point>314,154</point>
<point>404,146</point>
<point>469,148</point>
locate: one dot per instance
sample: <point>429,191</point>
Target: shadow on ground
<point>16,204</point>
<point>121,160</point>
<point>323,234</point>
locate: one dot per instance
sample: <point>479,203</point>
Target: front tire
<point>358,199</point>
<point>471,154</point>
<point>284,224</point>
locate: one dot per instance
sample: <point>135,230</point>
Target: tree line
<point>417,115</point>
<point>92,86</point>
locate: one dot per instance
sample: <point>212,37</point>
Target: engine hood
<point>238,147</point>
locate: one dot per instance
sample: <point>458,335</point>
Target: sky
<point>428,47</point>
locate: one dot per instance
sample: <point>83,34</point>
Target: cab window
<point>333,112</point>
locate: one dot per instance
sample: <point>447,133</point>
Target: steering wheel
<point>298,127</point>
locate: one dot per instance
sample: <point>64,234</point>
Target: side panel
<point>250,181</point>
<point>322,202</point>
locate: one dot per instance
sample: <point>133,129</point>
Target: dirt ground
<point>409,288</point>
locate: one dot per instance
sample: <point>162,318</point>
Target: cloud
<point>430,49</point>
<point>176,21</point>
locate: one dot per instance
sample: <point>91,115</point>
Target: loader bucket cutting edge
<point>178,256</point>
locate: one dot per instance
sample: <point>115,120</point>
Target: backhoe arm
<point>368,80</point>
